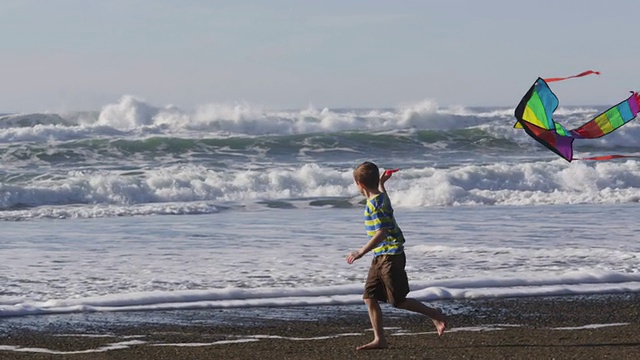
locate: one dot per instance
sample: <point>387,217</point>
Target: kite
<point>535,111</point>
<point>390,171</point>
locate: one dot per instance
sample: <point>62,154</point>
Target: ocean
<point>135,207</point>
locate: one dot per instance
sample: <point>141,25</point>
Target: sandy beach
<point>568,327</point>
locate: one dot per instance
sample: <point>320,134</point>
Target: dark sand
<point>519,328</point>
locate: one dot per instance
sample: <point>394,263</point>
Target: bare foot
<point>375,344</point>
<point>441,326</point>
<point>440,323</point>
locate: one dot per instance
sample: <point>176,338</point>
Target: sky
<point>78,55</point>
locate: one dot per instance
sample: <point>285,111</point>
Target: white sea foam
<point>240,339</point>
<point>488,327</point>
<point>577,283</point>
<point>105,348</point>
<point>212,261</point>
<point>131,115</point>
<point>188,189</point>
<point>220,342</point>
<point>590,326</point>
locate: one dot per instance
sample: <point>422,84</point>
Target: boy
<point>387,280</point>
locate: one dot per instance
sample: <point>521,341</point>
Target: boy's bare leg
<point>439,319</point>
<point>375,315</point>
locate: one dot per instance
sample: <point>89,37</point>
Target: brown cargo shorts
<point>387,280</point>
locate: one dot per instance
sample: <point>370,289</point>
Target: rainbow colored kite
<point>534,114</point>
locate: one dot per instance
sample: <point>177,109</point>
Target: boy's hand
<point>386,175</point>
<point>353,256</point>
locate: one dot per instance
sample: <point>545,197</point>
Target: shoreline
<point>565,327</point>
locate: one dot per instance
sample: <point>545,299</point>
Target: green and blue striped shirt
<point>378,214</point>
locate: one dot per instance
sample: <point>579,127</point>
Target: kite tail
<point>607,157</point>
<point>585,73</point>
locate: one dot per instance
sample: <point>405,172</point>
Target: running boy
<point>387,280</point>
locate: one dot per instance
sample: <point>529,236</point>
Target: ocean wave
<point>153,150</point>
<point>135,124</point>
<point>134,158</point>
<point>184,188</point>
<point>131,113</point>
<point>594,282</point>
<point>94,149</point>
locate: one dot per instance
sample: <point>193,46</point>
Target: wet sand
<point>569,327</point>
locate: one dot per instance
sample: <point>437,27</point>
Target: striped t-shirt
<point>378,214</point>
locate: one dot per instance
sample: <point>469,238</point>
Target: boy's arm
<point>370,245</point>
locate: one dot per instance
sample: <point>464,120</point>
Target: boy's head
<point>367,175</point>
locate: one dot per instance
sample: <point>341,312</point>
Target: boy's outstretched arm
<point>370,245</point>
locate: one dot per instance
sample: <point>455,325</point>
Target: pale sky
<point>66,55</point>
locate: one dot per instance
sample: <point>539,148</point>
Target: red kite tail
<point>585,73</point>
